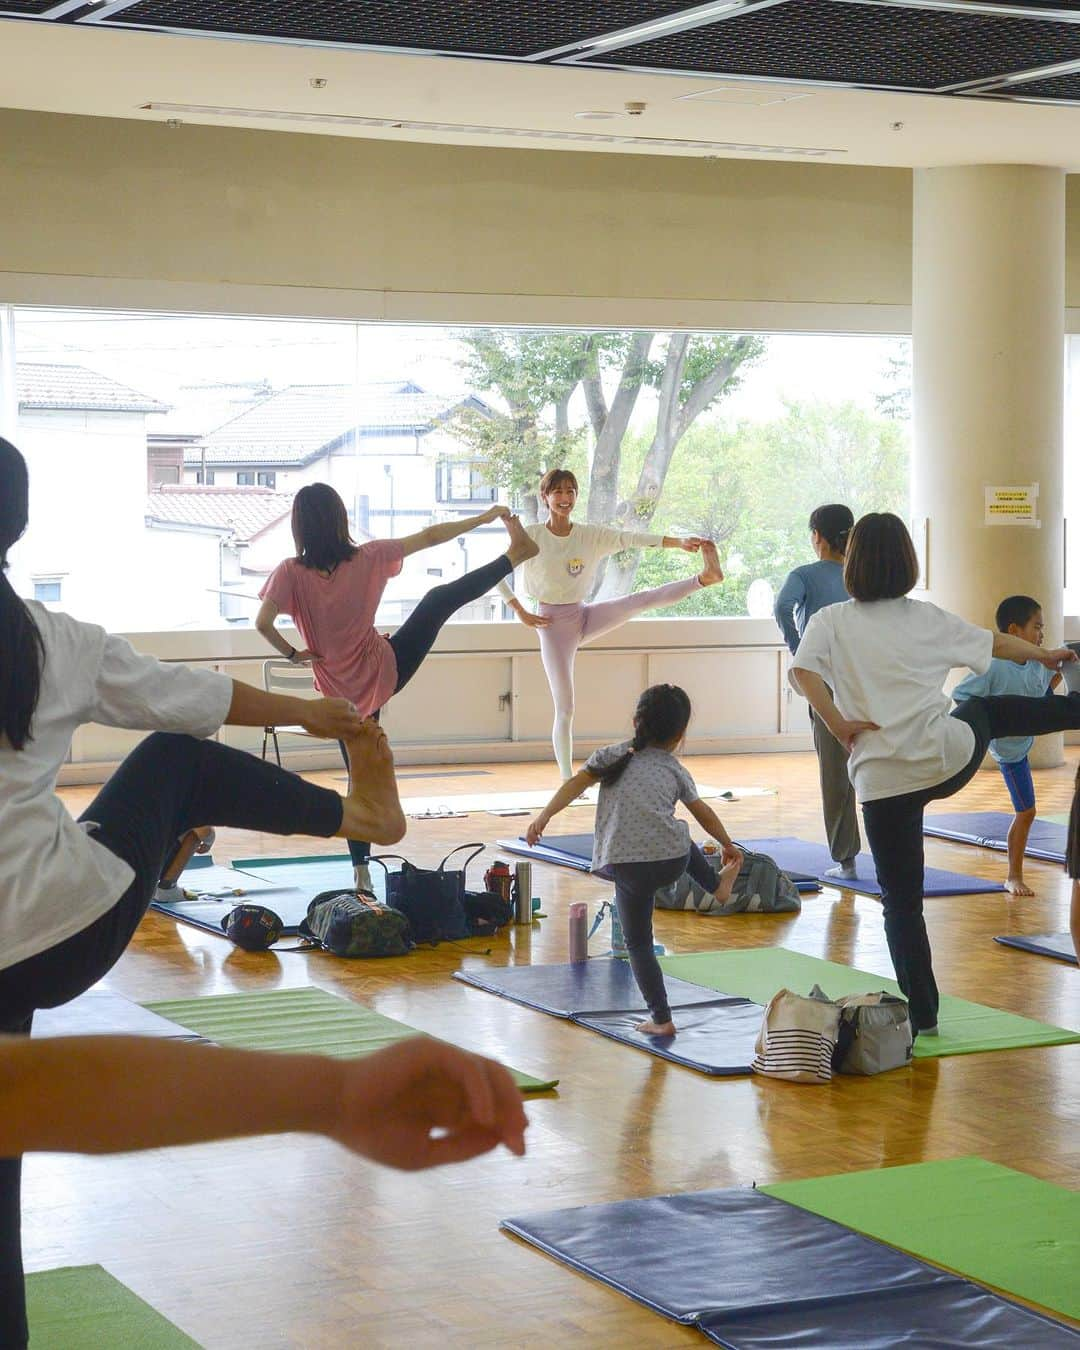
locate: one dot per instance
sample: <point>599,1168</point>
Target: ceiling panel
<point>509,28</point>
<point>862,44</point>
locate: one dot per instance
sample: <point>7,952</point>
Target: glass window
<point>47,590</point>
<point>266,479</point>
<point>245,479</point>
<point>206,478</point>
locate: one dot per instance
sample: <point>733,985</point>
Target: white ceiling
<point>98,72</point>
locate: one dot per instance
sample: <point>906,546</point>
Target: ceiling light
<point>668,144</point>
<point>746,92</point>
<point>597,115</point>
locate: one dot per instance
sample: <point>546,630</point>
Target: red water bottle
<point>498,879</point>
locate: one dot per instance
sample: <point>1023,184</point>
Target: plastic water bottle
<point>579,943</point>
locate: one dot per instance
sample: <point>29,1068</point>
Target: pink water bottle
<point>579,943</point>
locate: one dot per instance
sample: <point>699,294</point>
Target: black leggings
<point>894,831</point>
<point>167,785</point>
<point>636,883</point>
<point>416,636</point>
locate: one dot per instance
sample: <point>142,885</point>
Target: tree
<point>894,400</point>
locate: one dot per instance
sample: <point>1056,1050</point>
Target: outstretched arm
<point>709,821</point>
<point>109,1094</point>
<point>334,719</point>
<point>449,529</point>
<point>1013,648</point>
<point>569,792</point>
<point>816,692</point>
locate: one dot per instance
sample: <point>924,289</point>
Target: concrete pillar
<point>988,315</point>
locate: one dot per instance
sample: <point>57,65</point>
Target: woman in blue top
<point>806,590</point>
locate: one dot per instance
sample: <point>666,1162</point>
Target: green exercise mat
<point>992,1224</point>
<point>759,972</point>
<point>85,1308</point>
<point>1055,817</point>
<point>310,1020</point>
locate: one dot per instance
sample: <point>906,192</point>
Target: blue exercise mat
<point>988,829</point>
<point>575,850</point>
<point>716,1032</point>
<point>1058,945</point>
<point>754,1273</point>
<point>599,985</point>
<point>815,858</point>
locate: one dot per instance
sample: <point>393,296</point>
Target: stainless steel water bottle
<point>523,893</point>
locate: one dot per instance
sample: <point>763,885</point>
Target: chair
<point>282,677</point>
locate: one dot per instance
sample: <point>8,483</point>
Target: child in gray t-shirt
<point>638,842</point>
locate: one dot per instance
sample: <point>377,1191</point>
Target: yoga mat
<point>310,1020</point>
<point>575,850</point>
<point>988,829</point>
<point>759,972</point>
<point>207,879</point>
<point>100,1013</point>
<point>1058,945</point>
<point>599,985</point>
<point>85,1308</point>
<point>716,1035</point>
<point>802,856</point>
<point>954,1314</point>
<point>988,1222</point>
<point>321,872</point>
<point>535,798</point>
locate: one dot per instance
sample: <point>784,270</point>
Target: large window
<point>149,437</point>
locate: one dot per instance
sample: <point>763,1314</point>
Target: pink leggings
<point>570,628</point>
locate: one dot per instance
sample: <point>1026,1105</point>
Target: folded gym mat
<point>575,850</point>
<point>310,1020</point>
<point>759,972</point>
<point>740,1265</point>
<point>988,829</point>
<point>85,1308</point>
<point>285,885</point>
<point>1059,945</point>
<point>803,856</point>
<point>101,1013</point>
<point>988,1222</point>
<point>716,1034</point>
<point>599,985</point>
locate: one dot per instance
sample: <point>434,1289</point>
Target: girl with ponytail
<point>806,590</point>
<point>638,843</point>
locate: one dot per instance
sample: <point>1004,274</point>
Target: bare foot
<point>712,573</point>
<point>650,1028</point>
<point>1018,886</point>
<point>521,546</point>
<point>726,880</point>
<point>372,810</point>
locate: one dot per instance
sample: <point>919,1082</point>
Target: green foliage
<point>894,399</point>
<point>753,488</point>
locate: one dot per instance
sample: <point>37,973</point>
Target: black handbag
<point>432,899</point>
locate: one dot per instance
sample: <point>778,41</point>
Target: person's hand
<point>730,854</point>
<point>1057,657</point>
<point>304,656</point>
<point>422,1103</point>
<point>497,512</point>
<point>846,731</point>
<point>331,719</point>
<point>692,544</point>
<point>535,830</point>
<point>531,620</point>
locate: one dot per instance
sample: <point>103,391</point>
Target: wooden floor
<point>292,1242</point>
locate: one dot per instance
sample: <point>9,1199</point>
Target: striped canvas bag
<point>797,1038</point>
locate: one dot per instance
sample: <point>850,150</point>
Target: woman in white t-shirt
<point>560,578</point>
<point>72,893</point>
<point>886,658</point>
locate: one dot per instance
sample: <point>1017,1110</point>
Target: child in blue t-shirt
<point>1022,616</point>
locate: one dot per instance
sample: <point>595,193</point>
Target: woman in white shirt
<point>886,658</point>
<point>72,894</point>
<point>560,578</point>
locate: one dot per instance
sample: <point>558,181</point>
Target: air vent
<point>667,143</point>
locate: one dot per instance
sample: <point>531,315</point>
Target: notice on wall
<point>1018,505</point>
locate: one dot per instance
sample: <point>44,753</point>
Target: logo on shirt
<point>575,566</point>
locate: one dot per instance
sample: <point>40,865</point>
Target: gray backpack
<point>760,888</point>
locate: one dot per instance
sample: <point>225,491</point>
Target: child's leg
<point>605,615</point>
<point>635,886</point>
<point>1022,794</point>
<point>414,639</point>
<point>558,648</point>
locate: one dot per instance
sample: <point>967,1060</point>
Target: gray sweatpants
<point>837,794</point>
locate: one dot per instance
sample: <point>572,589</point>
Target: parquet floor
<point>291,1242</point>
